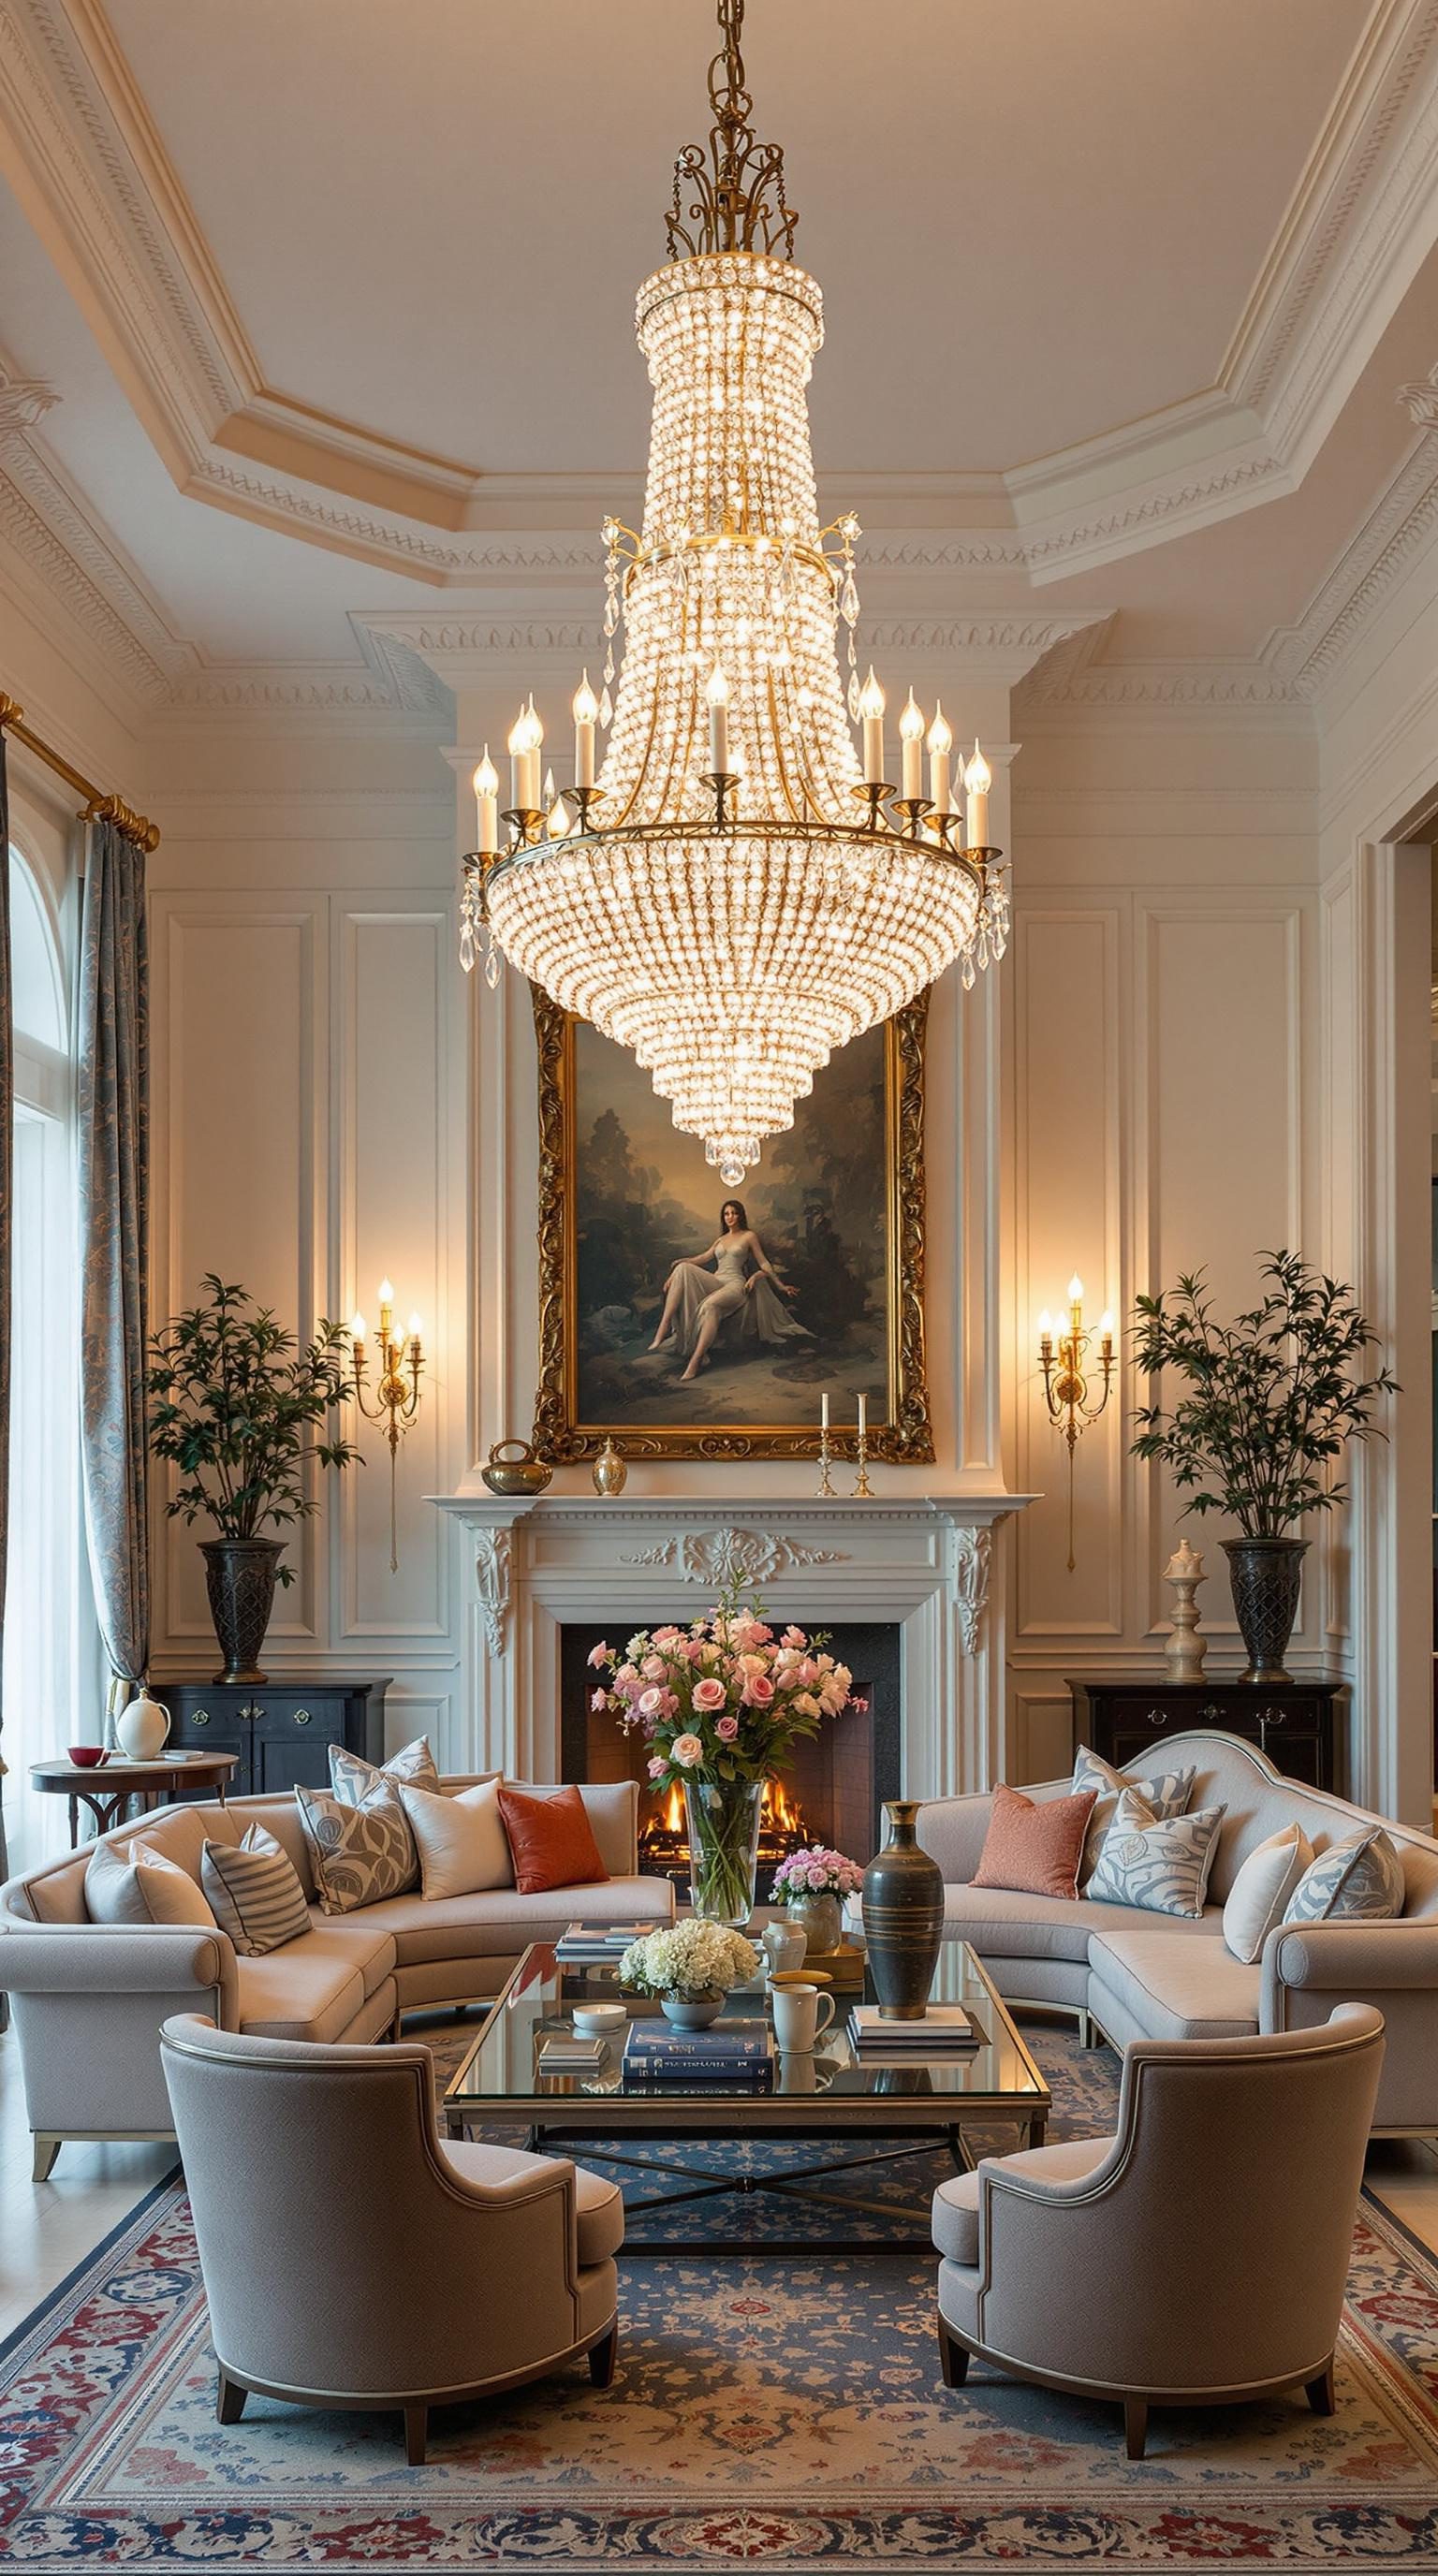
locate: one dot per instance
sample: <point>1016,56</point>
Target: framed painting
<point>686,1323</point>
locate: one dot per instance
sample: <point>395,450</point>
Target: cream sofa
<point>89,1998</point>
<point>1162,1976</point>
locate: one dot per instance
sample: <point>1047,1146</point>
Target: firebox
<point>832,1791</point>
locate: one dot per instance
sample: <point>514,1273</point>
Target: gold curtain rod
<point>98,807</point>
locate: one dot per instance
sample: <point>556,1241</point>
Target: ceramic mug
<point>796,2017</point>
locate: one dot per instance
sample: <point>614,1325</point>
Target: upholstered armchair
<point>352,2260</point>
<point>1196,2258</point>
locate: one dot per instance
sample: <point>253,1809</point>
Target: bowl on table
<point>599,2021</point>
<point>86,1756</point>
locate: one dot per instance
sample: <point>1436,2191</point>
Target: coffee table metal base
<point>705,2183</point>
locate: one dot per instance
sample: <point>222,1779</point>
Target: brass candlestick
<point>826,1488</point>
<point>863,1490</point>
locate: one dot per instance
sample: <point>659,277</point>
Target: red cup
<point>85,1756</point>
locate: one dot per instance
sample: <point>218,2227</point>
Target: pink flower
<point>710,1693</point>
<point>657,1766</point>
<point>758,1690</point>
<point>650,1703</point>
<point>626,1677</point>
<point>666,1636</point>
<point>753,1632</point>
<point>727,1729</point>
<point>598,1655</point>
<point>796,1638</point>
<point>817,1875</point>
<point>599,1700</point>
<point>687,1750</point>
<point>654,1668</point>
<point>806,1672</point>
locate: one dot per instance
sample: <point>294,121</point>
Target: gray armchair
<point>1196,2258</point>
<point>351,2260</point>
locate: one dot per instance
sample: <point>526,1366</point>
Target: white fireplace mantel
<point>927,1563</point>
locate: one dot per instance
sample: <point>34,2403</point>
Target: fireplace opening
<point>833,1788</point>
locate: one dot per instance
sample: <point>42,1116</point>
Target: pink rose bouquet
<point>816,1872</point>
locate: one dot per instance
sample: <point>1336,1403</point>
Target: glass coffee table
<point>872,2112</point>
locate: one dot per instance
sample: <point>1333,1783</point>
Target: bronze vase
<point>240,1577</point>
<point>903,1917</point>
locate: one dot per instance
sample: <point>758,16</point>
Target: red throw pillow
<point>551,1839</point>
<point>1036,1849</point>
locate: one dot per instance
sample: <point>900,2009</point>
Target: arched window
<point>51,1664</point>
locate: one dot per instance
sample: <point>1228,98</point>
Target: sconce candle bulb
<point>395,1400</point>
<point>1072,1402</point>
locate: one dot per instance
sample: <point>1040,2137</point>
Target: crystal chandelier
<point>737,890</point>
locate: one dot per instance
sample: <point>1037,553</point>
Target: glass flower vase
<point>723,1821</point>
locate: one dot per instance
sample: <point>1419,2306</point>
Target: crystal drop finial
<point>466,949</point>
<point>853,697</point>
<point>606,708</point>
<point>491,968</point>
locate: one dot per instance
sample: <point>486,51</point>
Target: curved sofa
<point>89,1998</point>
<point>1162,1976</point>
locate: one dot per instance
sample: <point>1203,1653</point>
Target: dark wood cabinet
<point>281,1731</point>
<point>1294,1723</point>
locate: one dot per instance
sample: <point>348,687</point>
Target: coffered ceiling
<point>316,324</point>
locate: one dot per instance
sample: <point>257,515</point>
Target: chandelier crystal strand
<point>733,898</point>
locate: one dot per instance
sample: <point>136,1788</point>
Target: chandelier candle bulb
<point>871,709</point>
<point>978,779</point>
<point>716,691</point>
<point>941,743</point>
<point>518,743</point>
<point>586,717</point>
<point>486,798</point>
<point>911,736</point>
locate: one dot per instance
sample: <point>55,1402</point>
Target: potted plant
<point>242,1411</point>
<point>690,1967</point>
<point>720,1703</point>
<point>813,1885</point>
<point>1274,1398</point>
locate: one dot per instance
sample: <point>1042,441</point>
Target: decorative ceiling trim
<point>82,151</point>
<point>1397,531</point>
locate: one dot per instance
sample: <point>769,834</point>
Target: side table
<point>1294,1723</point>
<point>145,1782</point>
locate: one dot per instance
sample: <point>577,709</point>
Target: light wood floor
<point>47,2228</point>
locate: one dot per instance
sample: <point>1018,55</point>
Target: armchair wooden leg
<point>953,2358</point>
<point>416,2435</point>
<point>1321,2394</point>
<point>229,2401</point>
<point>602,2358</point>
<point>46,2150</point>
<point>1135,2426</point>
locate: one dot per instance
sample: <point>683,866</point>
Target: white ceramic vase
<point>141,1728</point>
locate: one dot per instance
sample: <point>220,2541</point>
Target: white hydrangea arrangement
<point>689,1960</point>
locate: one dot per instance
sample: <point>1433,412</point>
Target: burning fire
<point>664,1838</point>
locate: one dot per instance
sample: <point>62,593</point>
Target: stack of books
<point>568,2052</point>
<point>588,1944</point>
<point>729,2052</point>
<point>944,2029</point>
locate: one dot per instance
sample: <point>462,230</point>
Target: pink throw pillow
<point>1035,1849</point>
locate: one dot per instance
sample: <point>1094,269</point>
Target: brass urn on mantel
<point>610,1472</point>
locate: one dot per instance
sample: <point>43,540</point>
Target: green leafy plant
<point>242,1410</point>
<point>1275,1395</point>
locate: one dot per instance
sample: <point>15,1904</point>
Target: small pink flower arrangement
<point>723,1699</point>
<point>815,1872</point>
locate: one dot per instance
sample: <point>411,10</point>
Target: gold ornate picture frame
<point>580,1404</point>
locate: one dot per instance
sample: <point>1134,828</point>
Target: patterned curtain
<point>7,1131</point>
<point>114,1123</point>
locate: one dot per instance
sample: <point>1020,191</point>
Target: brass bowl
<point>523,1474</point>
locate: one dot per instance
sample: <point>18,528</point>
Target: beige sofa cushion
<point>143,1887</point>
<point>180,1834</point>
<point>313,1989</point>
<point>1005,1925</point>
<point>1192,1989</point>
<point>1264,1884</point>
<point>463,1848</point>
<point>499,1923</point>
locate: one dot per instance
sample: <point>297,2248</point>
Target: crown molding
<point>80,148</point>
<point>1313,655</point>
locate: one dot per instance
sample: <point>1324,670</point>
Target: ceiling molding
<point>79,145</point>
<point>1397,532</point>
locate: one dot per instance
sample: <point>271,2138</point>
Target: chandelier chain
<point>738,201</point>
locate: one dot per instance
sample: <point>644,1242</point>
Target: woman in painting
<point>734,1278</point>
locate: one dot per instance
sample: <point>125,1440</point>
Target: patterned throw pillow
<point>352,1778</point>
<point>1160,1863</point>
<point>1358,1880</point>
<point>254,1889</point>
<point>357,1783</point>
<point>359,1854</point>
<point>1164,1793</point>
<point>1262,1889</point>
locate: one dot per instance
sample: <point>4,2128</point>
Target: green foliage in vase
<point>1274,1396</point>
<point>243,1412</point>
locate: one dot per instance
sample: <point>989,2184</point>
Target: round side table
<point>108,1787</point>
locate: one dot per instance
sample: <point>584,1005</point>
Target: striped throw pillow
<point>255,1893</point>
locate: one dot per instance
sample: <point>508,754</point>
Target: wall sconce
<point>396,1396</point>
<point>1066,1388</point>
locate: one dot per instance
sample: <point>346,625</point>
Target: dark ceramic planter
<point>240,1578</point>
<point>903,1917</point>
<point>1265,1575</point>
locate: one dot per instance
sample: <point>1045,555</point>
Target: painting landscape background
<point>645,1197</point>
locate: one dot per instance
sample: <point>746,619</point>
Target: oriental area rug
<point>768,2412</point>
